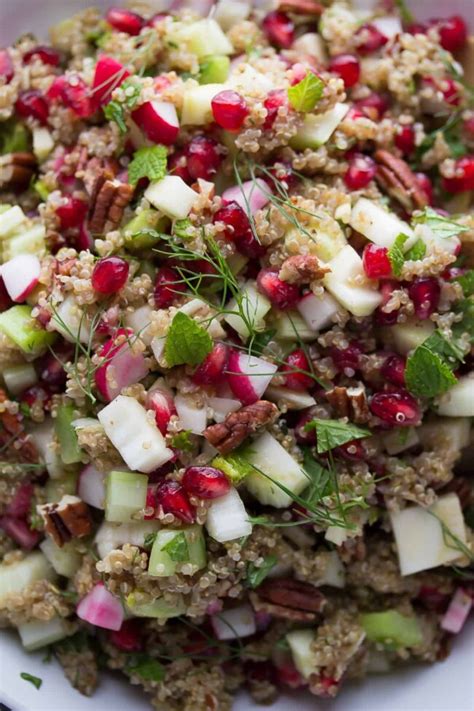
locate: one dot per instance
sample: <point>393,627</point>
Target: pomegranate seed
<point>347,67</point>
<point>6,66</point>
<point>212,369</point>
<point>369,39</point>
<point>393,369</point>
<point>468,127</point>
<point>236,221</point>
<point>433,598</point>
<point>45,54</point>
<point>20,532</point>
<point>32,104</point>
<point>373,106</point>
<point>376,262</point>
<point>417,28</point>
<point>74,93</point>
<point>295,362</point>
<point>5,301</point>
<point>360,172</point>
<point>168,285</point>
<point>272,103</point>
<point>302,435</point>
<point>229,110</point>
<point>128,637</point>
<point>36,395</point>
<point>110,275</point>
<point>250,246</point>
<point>20,504</point>
<point>445,89</point>
<point>425,293</point>
<point>279,29</point>
<point>452,32</point>
<point>405,139</point>
<point>463,179</point>
<point>178,165</point>
<point>258,672</point>
<point>289,676</point>
<point>347,360</point>
<point>50,369</point>
<point>396,408</point>
<point>173,499</point>
<point>426,185</point>
<point>352,451</point>
<point>125,20</point>
<point>203,157</point>
<point>284,175</point>
<point>72,213</point>
<point>162,403</point>
<point>205,482</point>
<point>385,318</point>
<point>282,294</point>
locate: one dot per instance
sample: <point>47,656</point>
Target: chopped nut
<point>237,426</point>
<point>302,269</point>
<point>349,402</point>
<point>69,518</point>
<point>280,611</point>
<point>396,177</point>
<point>109,200</point>
<point>16,170</point>
<point>301,7</point>
<point>289,599</point>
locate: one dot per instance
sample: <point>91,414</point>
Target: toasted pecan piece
<point>69,518</point>
<point>395,176</point>
<point>301,7</point>
<point>16,170</point>
<point>288,598</point>
<point>108,202</point>
<point>302,269</point>
<point>280,611</point>
<point>228,435</point>
<point>349,402</point>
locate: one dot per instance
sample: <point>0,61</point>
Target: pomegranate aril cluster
<point>110,275</point>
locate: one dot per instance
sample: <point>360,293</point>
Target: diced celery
<point>65,560</point>
<point>214,69</point>
<point>392,628</point>
<point>57,488</point>
<point>125,495</point>
<point>35,635</point>
<point>10,219</point>
<point>137,233</point>
<point>171,547</point>
<point>160,608</point>
<point>29,242</point>
<point>66,434</point>
<point>42,190</point>
<point>17,324</point>
<point>16,577</point>
<point>290,326</point>
<point>202,38</point>
<point>19,377</point>
<point>235,466</point>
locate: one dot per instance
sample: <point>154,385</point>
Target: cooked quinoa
<point>236,296</point>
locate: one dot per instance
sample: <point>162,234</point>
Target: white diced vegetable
<point>227,518</point>
<point>171,196</point>
<point>35,635</point>
<point>14,578</point>
<point>378,225</point>
<point>249,314</point>
<point>234,623</point>
<point>65,560</point>
<point>459,400</point>
<point>348,284</point>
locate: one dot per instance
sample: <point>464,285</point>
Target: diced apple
<point>389,26</point>
<point>19,377</point>
<point>14,578</point>
<point>411,334</point>
<point>35,635</point>
<point>159,609</point>
<point>138,440</point>
<point>139,321</point>
<point>191,416</point>
<point>317,129</point>
<point>304,658</point>
<point>44,438</point>
<point>348,284</point>
<point>291,326</point>
<point>202,37</point>
<point>70,321</point>
<point>65,560</point>
<point>455,431</point>
<point>378,225</point>
<point>43,143</point>
<point>199,310</point>
<point>172,196</point>
<point>158,121</point>
<point>223,406</point>
<point>251,311</point>
<point>111,536</point>
<point>229,12</point>
<point>459,400</point>
<point>235,623</point>
<point>336,535</point>
<point>426,538</point>
<point>319,312</point>
<point>197,109</point>
<point>398,440</point>
<point>244,78</point>
<point>30,241</point>
<point>333,573</point>
<point>227,518</point>
<point>292,399</point>
<point>311,43</point>
<point>10,220</point>
<point>277,467</point>
<point>451,245</point>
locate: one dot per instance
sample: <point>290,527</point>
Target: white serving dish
<point>443,687</point>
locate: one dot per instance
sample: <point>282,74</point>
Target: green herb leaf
<point>305,95</point>
<point>187,343</point>
<point>321,480</point>
<point>467,282</point>
<point>441,226</point>
<point>427,374</point>
<point>447,350</point>
<point>465,308</point>
<point>451,132</point>
<point>35,680</point>
<point>333,433</point>
<point>181,228</point>
<point>177,548</point>
<point>148,162</point>
<point>146,667</point>
<point>117,110</point>
<point>261,340</point>
<point>149,539</point>
<point>405,13</point>
<point>256,575</point>
<point>182,441</point>
<point>416,252</point>
<point>396,255</point>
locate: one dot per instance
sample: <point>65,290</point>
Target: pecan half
<point>302,269</point>
<point>69,518</point>
<point>301,7</point>
<point>280,611</point>
<point>289,596</point>
<point>349,402</point>
<point>237,426</point>
<point>108,202</point>
<point>395,176</point>
<point>16,170</point>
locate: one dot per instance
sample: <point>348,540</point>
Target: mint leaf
<point>447,350</point>
<point>305,95</point>
<point>14,137</point>
<point>35,680</point>
<point>118,110</point>
<point>395,254</point>
<point>177,548</point>
<point>439,225</point>
<point>333,433</point>
<point>147,668</point>
<point>416,252</point>
<point>427,374</point>
<point>149,539</point>
<point>256,575</point>
<point>467,282</point>
<point>321,481</point>
<point>148,162</point>
<point>187,343</point>
<point>466,309</point>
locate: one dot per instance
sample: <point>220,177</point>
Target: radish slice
<point>158,121</point>
<point>251,195</point>
<point>109,74</point>
<point>91,486</point>
<point>20,276</point>
<point>235,623</point>
<point>457,612</point>
<point>249,376</point>
<point>121,367</point>
<point>19,531</point>
<point>101,608</point>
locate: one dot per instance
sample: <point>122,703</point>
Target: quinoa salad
<point>236,327</point>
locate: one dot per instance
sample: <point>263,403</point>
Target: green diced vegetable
<point>392,628</point>
<point>125,495</point>
<point>17,324</point>
<point>235,466</point>
<point>142,232</point>
<point>66,434</point>
<point>35,635</point>
<point>160,608</point>
<point>214,69</point>
<point>57,488</point>
<point>178,546</point>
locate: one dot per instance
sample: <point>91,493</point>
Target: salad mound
<point>236,327</point>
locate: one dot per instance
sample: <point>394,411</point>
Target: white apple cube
<point>378,225</point>
<point>202,37</point>
<point>191,417</point>
<point>293,399</point>
<point>253,306</point>
<point>19,377</point>
<point>223,406</point>
<point>399,440</point>
<point>114,535</point>
<point>10,220</point>
<point>35,635</point>
<point>229,12</point>
<point>311,43</point>
<point>197,109</point>
<point>14,578</point>
<point>227,518</point>
<point>70,321</point>
<point>422,536</point>
<point>291,326</point>
<point>348,284</point>
<point>455,431</point>
<point>43,143</point>
<point>235,623</point>
<point>304,658</point>
<point>171,196</point>
<point>317,129</point>
<point>459,400</point>
<point>411,334</point>
<point>139,321</point>
<point>319,312</point>
<point>435,242</point>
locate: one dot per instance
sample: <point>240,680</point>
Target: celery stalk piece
<point>59,487</point>
<point>125,495</point>
<point>171,547</point>
<point>35,635</point>
<point>30,241</point>
<point>235,466</point>
<point>17,324</point>
<point>137,232</point>
<point>392,628</point>
<point>65,561</point>
<point>160,608</point>
<point>214,69</point>
<point>66,434</point>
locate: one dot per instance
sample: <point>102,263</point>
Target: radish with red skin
<point>120,365</point>
<point>457,612</point>
<point>91,486</point>
<point>20,276</point>
<point>101,609</point>
<point>249,376</point>
<point>162,403</point>
<point>124,20</point>
<point>158,121</point>
<point>371,39</point>
<point>251,195</point>
<point>20,504</point>
<point>108,75</point>
<point>18,530</point>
